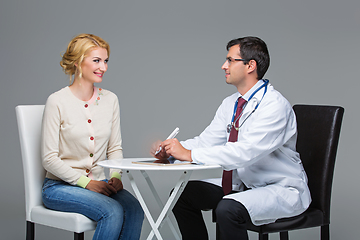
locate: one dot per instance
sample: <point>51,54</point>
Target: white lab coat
<point>264,157</point>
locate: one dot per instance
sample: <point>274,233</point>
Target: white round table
<point>146,164</point>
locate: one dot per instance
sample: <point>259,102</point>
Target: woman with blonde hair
<point>81,127</point>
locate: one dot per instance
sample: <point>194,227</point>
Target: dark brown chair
<point>317,142</point>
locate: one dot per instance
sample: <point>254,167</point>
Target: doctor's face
<point>234,67</point>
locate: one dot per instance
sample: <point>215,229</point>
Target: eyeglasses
<point>230,60</point>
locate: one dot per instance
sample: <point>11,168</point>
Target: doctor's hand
<point>116,183</point>
<point>162,155</point>
<point>101,187</point>
<point>174,148</point>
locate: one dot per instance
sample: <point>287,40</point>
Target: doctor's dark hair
<point>253,48</point>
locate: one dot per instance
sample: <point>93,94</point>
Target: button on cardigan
<point>77,134</point>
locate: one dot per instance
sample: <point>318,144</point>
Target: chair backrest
<point>29,119</point>
<point>317,142</point>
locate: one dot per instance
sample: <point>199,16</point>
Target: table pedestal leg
<point>174,196</point>
<point>143,205</point>
<point>161,205</point>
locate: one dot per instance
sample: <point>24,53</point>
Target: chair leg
<point>30,230</point>
<point>325,232</point>
<point>217,232</point>
<point>284,235</point>
<point>78,236</point>
<point>264,236</point>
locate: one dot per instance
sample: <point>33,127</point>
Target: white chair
<point>29,120</point>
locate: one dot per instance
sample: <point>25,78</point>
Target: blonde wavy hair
<point>77,50</point>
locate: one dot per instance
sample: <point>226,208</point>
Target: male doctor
<point>253,134</point>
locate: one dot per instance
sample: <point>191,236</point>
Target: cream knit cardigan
<point>76,135</point>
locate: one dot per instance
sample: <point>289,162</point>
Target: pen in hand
<point>172,135</point>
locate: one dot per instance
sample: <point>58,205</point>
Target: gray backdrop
<point>165,67</point>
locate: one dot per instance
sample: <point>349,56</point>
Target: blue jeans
<point>119,216</point>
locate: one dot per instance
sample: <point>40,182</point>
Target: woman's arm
<point>50,143</point>
<point>114,150</point>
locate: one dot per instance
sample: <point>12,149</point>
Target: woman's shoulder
<point>55,96</point>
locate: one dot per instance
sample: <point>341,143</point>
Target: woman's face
<point>95,64</point>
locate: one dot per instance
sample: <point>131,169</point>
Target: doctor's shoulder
<point>275,101</point>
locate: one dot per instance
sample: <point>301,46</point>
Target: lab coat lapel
<point>250,107</point>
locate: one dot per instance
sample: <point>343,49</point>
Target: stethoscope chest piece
<point>228,128</point>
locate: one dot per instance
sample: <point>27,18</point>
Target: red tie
<point>227,175</point>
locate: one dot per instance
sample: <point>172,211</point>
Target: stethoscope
<point>232,124</point>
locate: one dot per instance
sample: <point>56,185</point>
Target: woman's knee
<point>130,204</point>
<point>112,210</point>
<point>136,210</point>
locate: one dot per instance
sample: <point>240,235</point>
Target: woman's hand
<point>116,183</point>
<point>101,187</point>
